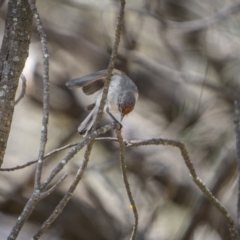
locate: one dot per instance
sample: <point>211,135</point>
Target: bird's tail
<point>87,124</point>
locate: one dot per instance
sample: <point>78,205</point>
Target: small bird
<point>121,99</point>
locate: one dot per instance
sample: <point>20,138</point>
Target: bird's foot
<point>119,125</point>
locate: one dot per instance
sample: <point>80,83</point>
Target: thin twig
<point>50,190</point>
<point>126,183</point>
<point>109,139</point>
<point>45,156</point>
<point>44,129</point>
<point>111,62</point>
<point>23,91</point>
<point>196,179</point>
<point>237,133</point>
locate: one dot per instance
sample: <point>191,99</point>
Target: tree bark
<point>13,54</point>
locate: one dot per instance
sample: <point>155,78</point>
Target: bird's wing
<point>90,83</point>
<point>90,107</point>
<point>94,86</point>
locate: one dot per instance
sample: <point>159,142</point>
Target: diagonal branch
<point>111,63</point>
<point>50,190</point>
<point>237,133</point>
<point>35,161</point>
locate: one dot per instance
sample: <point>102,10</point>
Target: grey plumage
<point>122,95</point>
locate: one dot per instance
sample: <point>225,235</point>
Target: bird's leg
<point>113,118</point>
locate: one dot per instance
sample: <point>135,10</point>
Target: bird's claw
<point>119,125</point>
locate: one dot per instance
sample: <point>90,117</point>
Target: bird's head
<point>126,103</point>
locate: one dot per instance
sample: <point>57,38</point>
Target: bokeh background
<point>185,60</point>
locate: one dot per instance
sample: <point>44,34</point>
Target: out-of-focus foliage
<point>184,58</point>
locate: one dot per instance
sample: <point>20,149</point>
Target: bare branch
<point>44,130</point>
<point>237,133</point>
<point>111,63</point>
<point>29,207</point>
<point>110,139</point>
<point>23,91</point>
<point>35,161</point>
<point>126,183</point>
<point>196,179</point>
<point>50,190</point>
<point>59,208</point>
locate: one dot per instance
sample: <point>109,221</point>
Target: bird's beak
<point>122,116</point>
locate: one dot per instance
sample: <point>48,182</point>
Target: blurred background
<point>184,56</point>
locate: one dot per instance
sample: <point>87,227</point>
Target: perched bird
<point>121,99</point>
